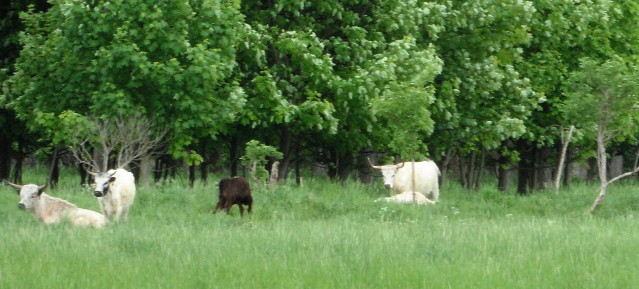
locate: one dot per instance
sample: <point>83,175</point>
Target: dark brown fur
<point>234,191</point>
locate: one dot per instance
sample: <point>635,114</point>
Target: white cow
<point>399,177</point>
<point>407,197</point>
<point>115,190</point>
<point>52,210</point>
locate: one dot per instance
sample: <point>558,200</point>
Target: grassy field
<point>329,235</point>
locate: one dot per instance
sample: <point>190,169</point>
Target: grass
<point>329,235</point>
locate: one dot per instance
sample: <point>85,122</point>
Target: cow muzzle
<point>388,186</point>
<point>98,193</point>
<point>21,206</point>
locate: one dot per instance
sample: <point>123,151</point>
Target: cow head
<point>388,172</point>
<point>102,182</point>
<point>29,194</point>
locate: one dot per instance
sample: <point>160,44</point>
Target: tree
<point>14,136</point>
<point>170,61</point>
<point>564,31</point>
<point>608,95</point>
<point>404,107</point>
<point>256,157</point>
<point>482,100</point>
<point>111,143</point>
<point>314,66</point>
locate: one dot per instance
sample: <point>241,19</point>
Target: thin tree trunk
<point>450,155</point>
<point>54,169</point>
<point>234,155</point>
<point>191,175</point>
<point>273,176</point>
<point>5,156</point>
<point>17,169</point>
<point>567,171</point>
<point>602,165</point>
<point>523,173</point>
<point>285,148</point>
<point>146,169</point>
<point>480,172</point>
<point>562,159</point>
<point>471,171</point>
<point>83,174</point>
<point>502,174</point>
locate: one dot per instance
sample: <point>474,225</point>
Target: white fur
<point>407,197</point>
<point>121,194</point>
<point>52,210</point>
<point>399,178</point>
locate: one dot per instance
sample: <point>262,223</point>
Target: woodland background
<point>481,87</point>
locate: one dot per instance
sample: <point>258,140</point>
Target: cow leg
<point>228,205</point>
<point>125,212</point>
<point>250,208</point>
<point>219,206</point>
<point>241,209</point>
<point>435,194</point>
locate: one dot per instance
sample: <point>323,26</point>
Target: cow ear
<point>112,179</point>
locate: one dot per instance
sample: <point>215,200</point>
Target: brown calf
<point>234,191</point>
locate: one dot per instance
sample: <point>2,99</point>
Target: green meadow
<point>326,234</point>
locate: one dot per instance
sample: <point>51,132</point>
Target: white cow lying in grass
<point>52,210</point>
<point>407,197</point>
<point>399,177</point>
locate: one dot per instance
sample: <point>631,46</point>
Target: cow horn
<point>13,185</point>
<point>91,173</point>
<point>373,166</point>
<point>401,165</point>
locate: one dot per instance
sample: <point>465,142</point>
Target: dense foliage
<point>471,84</point>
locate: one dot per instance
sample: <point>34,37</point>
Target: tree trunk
<point>204,166</point>
<point>83,174</point>
<point>502,175</point>
<point>450,155</point>
<point>191,175</point>
<point>285,149</point>
<point>146,169</point>
<point>472,170</point>
<point>234,155</point>
<point>562,158</point>
<point>567,171</point>
<point>159,168</point>
<point>17,169</point>
<point>274,174</point>
<point>602,165</point>
<point>524,177</point>
<point>298,172</point>
<point>54,169</point>
<point>5,157</point>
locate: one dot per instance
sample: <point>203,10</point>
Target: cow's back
<point>86,218</point>
<point>235,185</point>
<point>426,178</point>
<point>125,183</point>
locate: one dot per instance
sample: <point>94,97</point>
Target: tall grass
<point>329,235</point>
